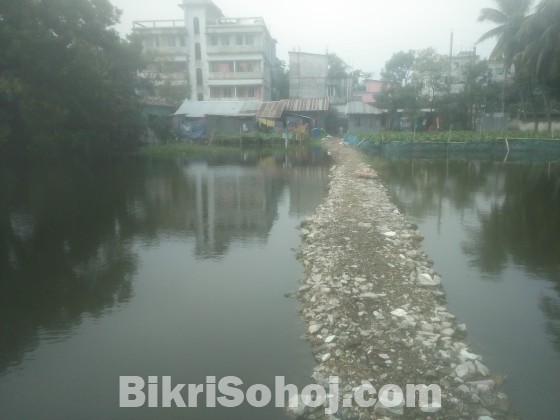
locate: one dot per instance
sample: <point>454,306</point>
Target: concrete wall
<point>308,75</point>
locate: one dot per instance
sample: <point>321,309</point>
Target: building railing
<point>233,49</point>
<point>236,75</point>
<point>147,24</point>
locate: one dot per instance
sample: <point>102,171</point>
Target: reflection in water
<point>74,239</point>
<point>492,230</point>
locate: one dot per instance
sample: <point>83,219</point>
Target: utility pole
<point>450,62</point>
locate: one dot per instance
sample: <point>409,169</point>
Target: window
<point>196,25</point>
<point>199,77</point>
<point>239,39</point>
<point>251,92</point>
<point>200,97</point>
<point>171,41</point>
<point>197,52</point>
<point>225,39</point>
<point>214,92</point>
<point>148,43</point>
<point>331,90</point>
<point>249,40</point>
<point>213,40</point>
<point>182,41</point>
<point>228,92</point>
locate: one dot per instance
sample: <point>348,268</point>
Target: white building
<point>165,45</point>
<point>220,58</point>
<point>228,58</point>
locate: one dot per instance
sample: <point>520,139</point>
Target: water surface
<point>493,231</point>
<point>151,268</point>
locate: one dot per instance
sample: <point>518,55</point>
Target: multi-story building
<point>309,78</point>
<point>165,46</point>
<point>228,58</point>
<point>219,58</point>
<point>459,64</point>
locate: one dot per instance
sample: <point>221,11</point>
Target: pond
<point>150,268</point>
<point>492,230</point>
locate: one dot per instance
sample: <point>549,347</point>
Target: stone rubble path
<point>375,307</point>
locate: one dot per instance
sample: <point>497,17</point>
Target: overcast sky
<point>364,33</point>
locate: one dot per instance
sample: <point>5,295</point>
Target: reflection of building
<point>308,187</point>
<point>231,203</point>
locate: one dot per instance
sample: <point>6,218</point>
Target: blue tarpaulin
<point>194,129</point>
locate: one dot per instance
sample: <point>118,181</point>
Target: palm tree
<point>509,16</point>
<point>540,58</point>
<point>540,34</point>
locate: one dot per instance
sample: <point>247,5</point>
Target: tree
<point>337,67</point>
<point>430,71</point>
<point>397,91</point>
<point>509,16</point>
<point>66,78</point>
<point>460,110</point>
<point>359,78</point>
<point>540,59</point>
<point>280,82</point>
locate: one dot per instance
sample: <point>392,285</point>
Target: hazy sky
<point>364,33</point>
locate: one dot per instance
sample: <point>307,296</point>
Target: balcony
<point>234,49</point>
<point>235,75</point>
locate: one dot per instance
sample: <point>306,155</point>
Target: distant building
<point>373,88</point>
<point>497,72</point>
<point>165,45</point>
<point>309,78</point>
<point>220,58</point>
<point>308,75</point>
<point>228,58</point>
<point>459,64</point>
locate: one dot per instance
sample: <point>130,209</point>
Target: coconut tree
<point>509,16</point>
<point>540,58</point>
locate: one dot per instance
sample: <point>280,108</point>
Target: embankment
<point>375,306</point>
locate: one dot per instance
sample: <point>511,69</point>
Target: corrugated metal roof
<point>155,101</point>
<point>272,110</point>
<point>359,107</point>
<point>307,105</point>
<point>198,109</point>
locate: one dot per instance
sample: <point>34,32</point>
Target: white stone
<point>399,312</point>
<point>424,279</point>
<point>330,338</point>
<point>462,370</point>
<point>296,407</point>
<point>467,355</point>
<point>483,370</point>
<point>431,408</point>
<point>325,357</point>
<point>390,234</point>
<point>371,295</point>
<point>313,329</point>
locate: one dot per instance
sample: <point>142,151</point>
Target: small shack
<point>300,116</point>
<point>200,120</point>
<point>363,117</point>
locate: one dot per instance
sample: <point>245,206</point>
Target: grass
<point>445,136</point>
